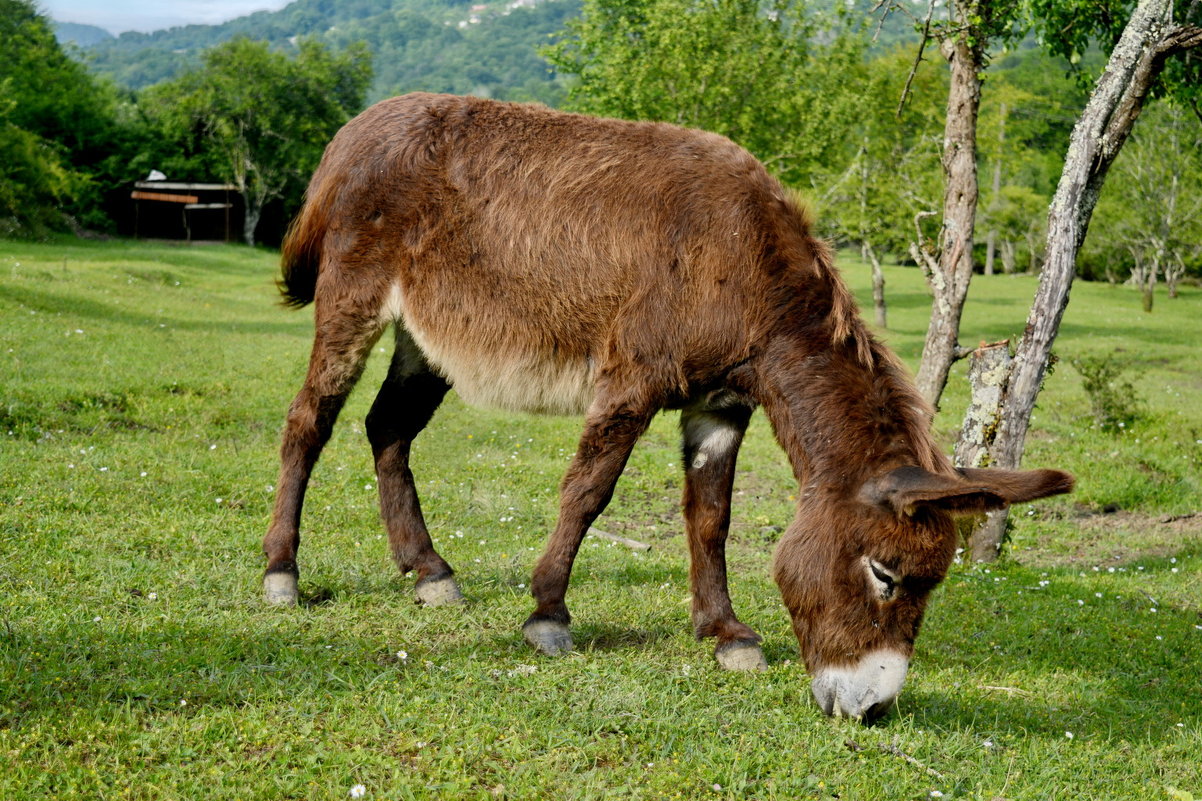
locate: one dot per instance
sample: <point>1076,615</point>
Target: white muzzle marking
<point>862,691</point>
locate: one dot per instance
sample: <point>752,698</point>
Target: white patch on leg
<point>710,437</point>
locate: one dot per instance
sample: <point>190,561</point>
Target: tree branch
<point>926,37</point>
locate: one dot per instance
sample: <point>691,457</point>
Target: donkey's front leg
<point>712,433</point>
<point>612,428</point>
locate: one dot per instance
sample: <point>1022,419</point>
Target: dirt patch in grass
<point>1116,538</point>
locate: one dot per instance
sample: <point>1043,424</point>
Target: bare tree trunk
<point>988,371</point>
<point>1147,288</point>
<point>1148,39</point>
<point>1008,256</point>
<point>1173,272</point>
<point>996,189</point>
<point>950,281</point>
<point>878,284</point>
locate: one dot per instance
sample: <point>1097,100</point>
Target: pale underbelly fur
<point>514,381</point>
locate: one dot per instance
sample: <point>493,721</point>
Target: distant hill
<point>485,47</point>
<point>81,35</point>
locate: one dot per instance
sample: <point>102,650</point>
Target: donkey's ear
<point>967,491</point>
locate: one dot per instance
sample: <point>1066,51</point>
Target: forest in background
<point>811,92</point>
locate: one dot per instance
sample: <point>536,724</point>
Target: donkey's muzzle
<point>863,691</point>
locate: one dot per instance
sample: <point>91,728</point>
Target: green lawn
<point>142,388</point>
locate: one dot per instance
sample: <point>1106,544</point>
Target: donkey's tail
<point>300,255</point>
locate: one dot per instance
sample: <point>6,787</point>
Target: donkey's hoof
<point>279,589</point>
<point>548,637</point>
<point>741,656</point>
<point>438,592</point>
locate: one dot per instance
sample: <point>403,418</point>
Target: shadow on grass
<point>50,302</point>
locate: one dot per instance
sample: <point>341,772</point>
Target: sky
<point>117,16</point>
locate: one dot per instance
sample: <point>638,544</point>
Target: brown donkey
<point>549,262</point>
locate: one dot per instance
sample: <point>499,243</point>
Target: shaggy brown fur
<point>549,262</point>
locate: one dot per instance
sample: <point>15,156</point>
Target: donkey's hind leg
<point>341,345</point>
<point>403,407</point>
<point>712,432</point>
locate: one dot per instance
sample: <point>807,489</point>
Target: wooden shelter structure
<point>188,211</point>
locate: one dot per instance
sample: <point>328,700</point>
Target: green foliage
<point>259,118</point>
<point>50,141</point>
<point>1112,397</point>
<point>872,193</point>
<point>745,69</point>
<point>1148,224</point>
<point>427,45</point>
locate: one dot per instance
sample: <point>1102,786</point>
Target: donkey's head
<point>856,567</point>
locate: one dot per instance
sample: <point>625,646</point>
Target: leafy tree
<point>1150,38</point>
<point>1153,211</point>
<point>749,70</point>
<point>890,183</point>
<point>259,118</point>
<point>56,125</point>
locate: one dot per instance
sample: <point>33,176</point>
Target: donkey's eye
<point>881,574</point>
<point>883,579</point>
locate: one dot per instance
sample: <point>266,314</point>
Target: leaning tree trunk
<point>949,281</point>
<point>1137,60</point>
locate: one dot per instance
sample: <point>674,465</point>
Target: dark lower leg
<point>711,444</point>
<point>401,410</point>
<point>310,422</point>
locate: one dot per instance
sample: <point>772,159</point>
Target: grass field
<point>142,388</point>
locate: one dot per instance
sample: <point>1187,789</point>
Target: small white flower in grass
<point>219,500</point>
<point>936,794</point>
<point>521,586</point>
<point>96,619</point>
<point>152,596</point>
<point>183,702</point>
<point>71,466</point>
<point>1181,725</point>
<point>1159,637</point>
<point>358,791</point>
<point>402,655</point>
<point>1153,609</point>
<point>717,787</point>
<point>367,486</point>
<point>988,743</point>
<point>1097,595</point>
<point>1080,602</point>
<point>213,447</point>
<point>142,474</point>
<point>1068,734</point>
<point>104,470</point>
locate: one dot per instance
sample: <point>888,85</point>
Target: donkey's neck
<point>845,410</point>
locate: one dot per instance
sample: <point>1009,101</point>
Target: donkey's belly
<point>516,382</point>
<point>493,367</point>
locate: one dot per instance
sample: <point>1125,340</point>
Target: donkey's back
<point>522,250</point>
